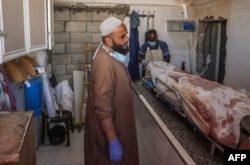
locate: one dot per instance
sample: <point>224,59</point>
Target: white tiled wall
<point>238,47</point>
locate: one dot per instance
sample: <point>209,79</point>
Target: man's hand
<point>115,151</point>
<point>115,148</point>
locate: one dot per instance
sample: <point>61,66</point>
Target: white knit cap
<point>109,25</point>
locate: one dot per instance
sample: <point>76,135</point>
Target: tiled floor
<point>62,155</point>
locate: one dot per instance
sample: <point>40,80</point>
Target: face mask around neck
<point>152,43</point>
<point>121,58</point>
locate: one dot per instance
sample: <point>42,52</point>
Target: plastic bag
<point>64,95</point>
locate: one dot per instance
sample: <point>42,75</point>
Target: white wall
<point>238,47</point>
<point>219,8</point>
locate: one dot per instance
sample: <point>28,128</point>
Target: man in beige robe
<point>110,132</point>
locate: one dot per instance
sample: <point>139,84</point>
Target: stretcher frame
<point>180,110</point>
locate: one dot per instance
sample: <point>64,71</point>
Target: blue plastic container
<point>34,96</point>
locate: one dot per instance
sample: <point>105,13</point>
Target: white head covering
<point>109,25</point>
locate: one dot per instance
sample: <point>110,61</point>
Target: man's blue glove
<point>115,151</point>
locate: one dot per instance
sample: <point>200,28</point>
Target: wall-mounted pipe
<point>184,7</point>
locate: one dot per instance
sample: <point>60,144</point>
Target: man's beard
<point>120,49</point>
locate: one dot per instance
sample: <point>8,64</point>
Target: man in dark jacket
<point>153,50</point>
<point>152,43</point>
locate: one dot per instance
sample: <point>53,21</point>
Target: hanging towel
<point>134,46</point>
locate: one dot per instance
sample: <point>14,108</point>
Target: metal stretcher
<point>166,85</point>
<point>180,110</point>
<point>178,103</point>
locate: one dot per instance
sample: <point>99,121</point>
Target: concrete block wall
<point>77,35</point>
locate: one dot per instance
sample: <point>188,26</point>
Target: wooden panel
<point>28,153</point>
<point>13,24</point>
<point>37,22</point>
<point>78,77</point>
<point>154,145</point>
<point>17,142</point>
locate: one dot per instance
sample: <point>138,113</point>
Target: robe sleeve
<point>164,47</point>
<point>103,85</point>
